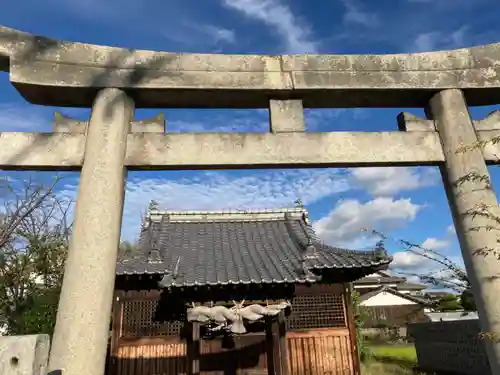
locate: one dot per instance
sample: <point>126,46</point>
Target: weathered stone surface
<point>490,122</point>
<point>154,124</point>
<point>64,124</point>
<point>261,150</point>
<point>52,72</point>
<point>82,326</point>
<point>13,42</point>
<point>470,197</point>
<point>44,151</point>
<point>24,355</point>
<point>411,123</point>
<point>286,116</point>
<point>66,151</point>
<point>488,139</point>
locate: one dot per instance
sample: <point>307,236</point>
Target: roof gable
<point>380,280</point>
<point>386,296</point>
<point>377,275</point>
<point>387,299</point>
<point>410,286</point>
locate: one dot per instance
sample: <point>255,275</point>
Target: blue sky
<point>406,203</point>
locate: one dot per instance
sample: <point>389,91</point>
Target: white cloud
<point>225,121</point>
<point>219,34</point>
<point>318,119</point>
<point>451,230</point>
<point>294,32</point>
<point>413,279</point>
<point>26,117</point>
<point>410,263</point>
<point>426,41</point>
<point>406,260</point>
<point>196,34</point>
<point>343,225</point>
<point>170,19</point>
<point>179,126</point>
<point>216,190</point>
<point>356,14</point>
<point>106,11</point>
<point>387,181</point>
<point>23,118</point>
<point>435,244</point>
<point>444,4</point>
<point>416,262</point>
<point>450,277</point>
<point>412,260</point>
<point>440,40</point>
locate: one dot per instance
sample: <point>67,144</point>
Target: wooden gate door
<point>320,352</point>
<point>320,332</point>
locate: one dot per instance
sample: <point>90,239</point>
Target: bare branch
<point>448,265</point>
<point>34,234</point>
<point>34,197</point>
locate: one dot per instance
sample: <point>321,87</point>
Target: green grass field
<point>405,353</point>
<point>391,360</point>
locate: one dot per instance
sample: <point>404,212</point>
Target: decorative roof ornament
<point>380,251</point>
<point>171,275</point>
<point>298,203</point>
<point>153,206</point>
<point>154,256</point>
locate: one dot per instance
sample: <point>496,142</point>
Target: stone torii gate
<point>114,81</point>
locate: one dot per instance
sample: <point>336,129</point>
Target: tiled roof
<point>210,248</point>
<point>380,280</point>
<point>396,282</point>
<point>411,286</point>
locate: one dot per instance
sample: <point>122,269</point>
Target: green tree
<point>39,313</point>
<point>359,319</point>
<point>449,302</point>
<point>128,249</point>
<point>467,300</point>
<point>34,236</point>
<point>451,275</point>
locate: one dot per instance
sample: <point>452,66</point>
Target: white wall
<point>386,299</point>
<point>375,275</point>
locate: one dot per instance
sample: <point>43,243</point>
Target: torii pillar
<point>451,116</point>
<point>81,333</point>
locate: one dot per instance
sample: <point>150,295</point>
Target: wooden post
<point>116,333</point>
<point>193,348</point>
<point>277,351</point>
<point>270,346</point>
<point>351,325</point>
<point>283,345</point>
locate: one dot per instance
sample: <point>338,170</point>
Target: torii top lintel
<point>52,72</point>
